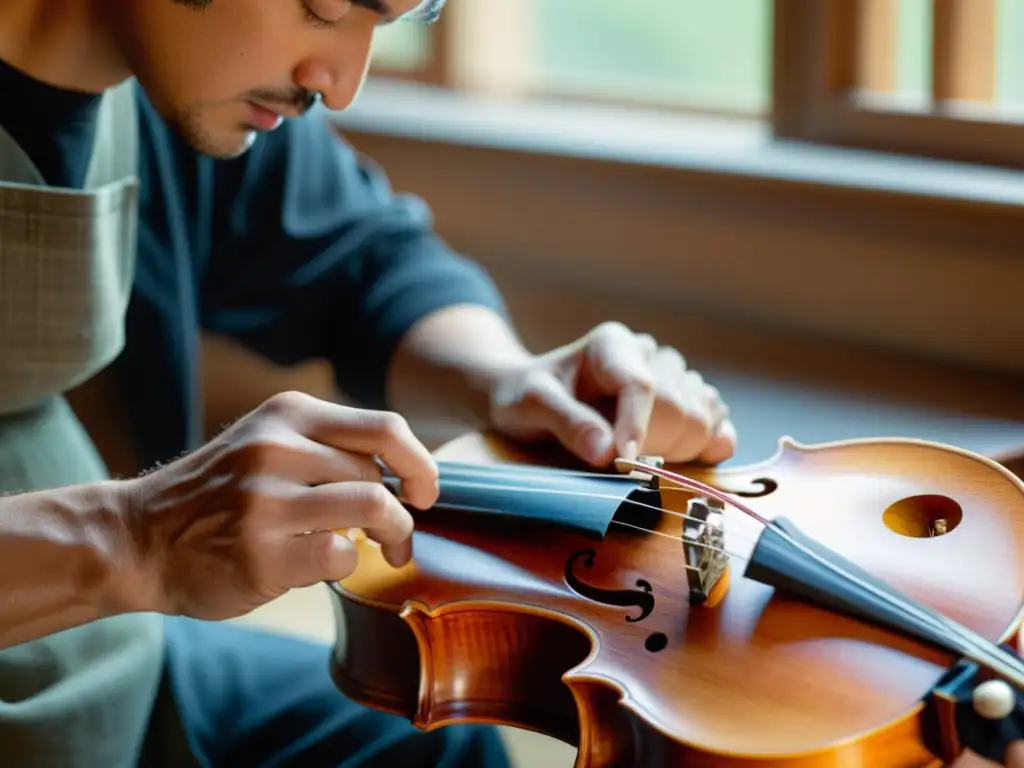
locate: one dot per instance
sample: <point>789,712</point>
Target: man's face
<point>221,71</point>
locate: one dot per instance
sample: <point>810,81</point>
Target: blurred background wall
<point>804,196</point>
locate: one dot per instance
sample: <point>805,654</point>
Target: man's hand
<point>251,515</point>
<point>615,393</point>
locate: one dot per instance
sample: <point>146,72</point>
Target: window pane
<point>705,54</point>
<point>404,46</point>
<point>914,49</point>
<point>913,75</point>
<point>1010,54</point>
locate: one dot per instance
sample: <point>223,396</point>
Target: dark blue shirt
<point>298,249</point>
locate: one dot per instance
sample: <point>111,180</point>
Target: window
<point>935,77</point>
<point>688,54</point>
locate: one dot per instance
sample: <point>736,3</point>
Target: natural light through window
<point>897,75</point>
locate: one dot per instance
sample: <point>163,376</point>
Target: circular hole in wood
<point>923,517</point>
<point>656,642</point>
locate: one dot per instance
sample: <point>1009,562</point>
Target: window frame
<point>436,71</point>
<point>814,97</point>
<point>449,48</point>
<point>815,49</point>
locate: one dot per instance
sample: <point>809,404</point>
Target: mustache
<point>298,99</point>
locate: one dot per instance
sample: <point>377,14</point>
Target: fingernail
<point>631,451</point>
<point>595,444</point>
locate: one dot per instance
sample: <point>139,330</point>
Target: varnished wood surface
<point>486,628</point>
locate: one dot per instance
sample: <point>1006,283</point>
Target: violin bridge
<point>704,547</point>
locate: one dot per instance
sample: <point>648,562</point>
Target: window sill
<point>667,140</point>
<point>715,215</point>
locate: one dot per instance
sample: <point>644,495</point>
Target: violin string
<point>972,642</point>
<point>575,494</point>
<point>688,483</point>
<point>520,473</point>
<point>675,539</point>
<point>515,473</point>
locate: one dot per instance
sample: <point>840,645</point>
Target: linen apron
<point>80,698</point>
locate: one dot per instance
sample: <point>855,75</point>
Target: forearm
<point>445,367</point>
<point>59,552</point>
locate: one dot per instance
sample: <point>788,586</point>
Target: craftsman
<point>159,178</point>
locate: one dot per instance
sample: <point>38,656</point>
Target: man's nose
<point>338,74</point>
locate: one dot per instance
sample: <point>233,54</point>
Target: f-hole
<point>641,598</point>
<point>768,487</point>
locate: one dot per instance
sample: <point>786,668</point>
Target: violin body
<point>596,641</point>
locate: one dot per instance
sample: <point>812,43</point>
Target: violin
<point>854,603</point>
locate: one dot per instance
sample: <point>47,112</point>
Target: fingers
<point>294,456</point>
<point>371,433</point>
<point>548,405</point>
<point>369,506</point>
<point>662,406</point>
<point>690,421</point>
<point>620,363</point>
<point>720,447</point>
<point>316,557</point>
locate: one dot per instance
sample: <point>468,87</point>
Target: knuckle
<point>377,499</point>
<point>536,388</point>
<point>713,396</point>
<point>288,403</point>
<point>611,329</point>
<point>332,557</point>
<point>672,357</point>
<point>647,343</point>
<point>394,427</point>
<point>694,379</point>
<point>255,451</point>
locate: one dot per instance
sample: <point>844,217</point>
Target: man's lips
<point>264,119</point>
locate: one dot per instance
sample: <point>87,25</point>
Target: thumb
<point>551,407</point>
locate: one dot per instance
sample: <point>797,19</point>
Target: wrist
<point>112,523</point>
